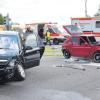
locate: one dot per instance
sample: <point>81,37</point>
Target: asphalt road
<point>56,79</point>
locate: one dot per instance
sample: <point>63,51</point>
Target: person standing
<point>41,39</point>
<point>48,38</point>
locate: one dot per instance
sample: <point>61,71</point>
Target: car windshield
<point>8,42</point>
<point>59,29</point>
<point>62,30</point>
<point>73,29</point>
<point>56,30</point>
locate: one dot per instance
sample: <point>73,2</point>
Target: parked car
<point>86,46</point>
<point>17,55</point>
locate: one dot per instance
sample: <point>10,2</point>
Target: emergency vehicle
<point>56,35</point>
<point>89,25</point>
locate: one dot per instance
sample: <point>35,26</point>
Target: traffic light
<point>7,22</point>
<point>4,21</point>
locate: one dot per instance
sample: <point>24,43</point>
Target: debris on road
<point>80,67</point>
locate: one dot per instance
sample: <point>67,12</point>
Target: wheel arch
<point>66,50</point>
<point>97,51</point>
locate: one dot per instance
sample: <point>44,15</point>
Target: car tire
<point>19,73</point>
<point>55,41</point>
<point>66,54</point>
<point>96,57</point>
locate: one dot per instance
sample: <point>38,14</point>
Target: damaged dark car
<point>17,55</point>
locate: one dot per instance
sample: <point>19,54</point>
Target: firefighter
<point>48,37</point>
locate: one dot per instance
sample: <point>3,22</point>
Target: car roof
<point>9,33</point>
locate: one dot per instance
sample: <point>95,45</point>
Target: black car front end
<point>7,68</point>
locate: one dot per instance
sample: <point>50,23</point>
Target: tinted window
<point>31,40</point>
<point>85,39</point>
<point>82,41</point>
<point>97,24</point>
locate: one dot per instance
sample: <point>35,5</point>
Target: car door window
<point>85,39</point>
<point>82,41</point>
<point>31,41</point>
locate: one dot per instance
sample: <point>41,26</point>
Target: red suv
<point>86,46</point>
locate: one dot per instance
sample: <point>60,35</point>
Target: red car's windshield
<point>72,29</point>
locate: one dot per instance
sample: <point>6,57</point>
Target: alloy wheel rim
<point>21,70</point>
<point>66,54</point>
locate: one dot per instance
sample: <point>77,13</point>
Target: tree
<point>98,13</point>
<point>2,19</point>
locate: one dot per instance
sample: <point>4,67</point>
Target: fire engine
<point>56,35</point>
<point>89,25</point>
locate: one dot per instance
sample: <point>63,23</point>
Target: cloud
<point>25,11</point>
<point>2,3</point>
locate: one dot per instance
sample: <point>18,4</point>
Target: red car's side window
<point>83,40</point>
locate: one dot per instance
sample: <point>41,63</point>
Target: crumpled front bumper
<point>6,71</point>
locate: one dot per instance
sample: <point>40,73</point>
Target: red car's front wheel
<point>66,54</point>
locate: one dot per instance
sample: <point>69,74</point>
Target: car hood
<point>8,53</point>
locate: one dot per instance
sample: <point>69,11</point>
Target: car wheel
<point>19,73</point>
<point>96,57</point>
<point>55,41</point>
<point>66,54</point>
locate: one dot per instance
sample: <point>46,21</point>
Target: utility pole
<point>86,8</point>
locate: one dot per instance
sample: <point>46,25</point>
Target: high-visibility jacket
<point>48,35</point>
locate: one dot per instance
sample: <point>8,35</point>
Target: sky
<point>60,11</point>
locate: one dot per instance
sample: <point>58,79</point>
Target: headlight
<point>12,63</point>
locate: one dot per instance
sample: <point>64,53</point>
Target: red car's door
<point>80,49</point>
